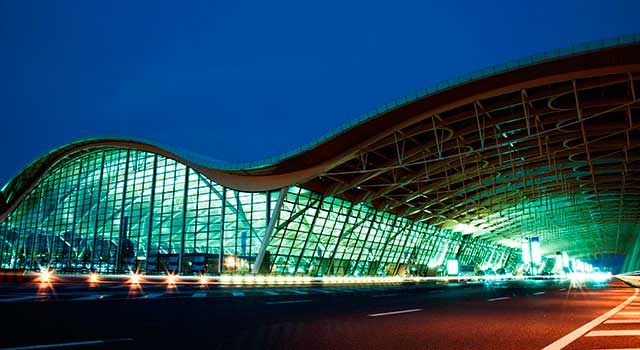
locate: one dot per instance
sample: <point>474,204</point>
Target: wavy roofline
<point>371,114</point>
<point>441,86</point>
<point>298,165</point>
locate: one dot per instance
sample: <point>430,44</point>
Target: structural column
<point>267,233</point>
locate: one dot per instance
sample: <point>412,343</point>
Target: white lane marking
<point>28,297</point>
<point>394,312</point>
<point>119,286</point>
<point>92,297</point>
<point>299,292</point>
<point>538,293</point>
<point>571,337</point>
<point>27,286</point>
<point>321,291</point>
<point>268,292</point>
<point>635,320</point>
<point>71,344</point>
<point>629,313</point>
<point>287,302</point>
<point>384,295</point>
<point>199,295</point>
<point>66,288</point>
<point>615,333</point>
<point>563,289</point>
<point>150,296</point>
<point>497,299</point>
<point>237,294</point>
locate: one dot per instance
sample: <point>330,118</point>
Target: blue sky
<point>242,81</point>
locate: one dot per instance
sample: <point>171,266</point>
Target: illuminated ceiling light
<point>565,260</point>
<point>526,252</point>
<point>452,267</point>
<point>536,256</point>
<point>465,229</point>
<point>230,262</point>
<point>588,267</point>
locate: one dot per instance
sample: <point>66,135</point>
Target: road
<point>529,314</point>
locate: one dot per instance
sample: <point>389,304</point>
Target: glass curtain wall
<point>483,254</point>
<point>329,236</point>
<point>114,210</point>
<point>117,209</point>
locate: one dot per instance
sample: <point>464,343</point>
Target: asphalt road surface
<point>531,314</point>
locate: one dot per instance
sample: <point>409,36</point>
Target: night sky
<point>242,82</point>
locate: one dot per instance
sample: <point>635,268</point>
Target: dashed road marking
<point>538,293</point>
<point>571,337</point>
<point>629,313</point>
<point>27,297</point>
<point>321,291</point>
<point>385,295</point>
<point>150,296</point>
<point>299,292</point>
<point>394,312</point>
<point>71,344</point>
<point>92,297</point>
<point>498,299</point>
<point>622,321</point>
<point>287,302</point>
<point>614,333</point>
<point>238,294</point>
<point>120,286</point>
<point>268,292</point>
<point>76,288</point>
<point>199,295</point>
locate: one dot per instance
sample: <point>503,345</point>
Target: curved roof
<point>556,130</point>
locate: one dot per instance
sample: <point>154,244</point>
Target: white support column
<point>267,233</point>
<point>435,132</point>
<point>480,126</point>
<point>523,94</point>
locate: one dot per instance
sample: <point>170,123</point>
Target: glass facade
<point>115,209</point>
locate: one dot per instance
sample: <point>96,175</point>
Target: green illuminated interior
<point>114,209</point>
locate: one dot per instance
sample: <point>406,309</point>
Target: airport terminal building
<point>545,146</point>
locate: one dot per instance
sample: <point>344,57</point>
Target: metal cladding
<point>545,146</point>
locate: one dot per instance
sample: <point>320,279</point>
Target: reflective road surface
<point>529,314</point>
